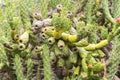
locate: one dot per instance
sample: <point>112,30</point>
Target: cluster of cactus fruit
<point>62,46</point>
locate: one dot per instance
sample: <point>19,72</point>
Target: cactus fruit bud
<point>37,16</point>
<point>61,44</point>
<point>38,24</point>
<point>58,53</point>
<point>69,15</point>
<point>21,46</point>
<point>44,36</point>
<point>16,37</point>
<point>51,40</point>
<point>52,57</point>
<point>59,7</point>
<point>24,38</point>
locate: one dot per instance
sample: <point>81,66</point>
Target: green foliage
<point>79,6</point>
<point>69,4</point>
<point>18,67</point>
<point>2,16</point>
<point>93,33</point>
<point>53,3</point>
<point>106,11</point>
<point>24,15</point>
<point>44,8</point>
<point>30,6</point>
<point>114,59</point>
<point>116,13</point>
<point>3,57</point>
<point>29,69</point>
<point>6,29</point>
<point>47,68</point>
<point>89,8</point>
<point>104,32</point>
<point>61,23</point>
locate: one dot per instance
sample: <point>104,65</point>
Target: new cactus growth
<point>51,40</point>
<point>61,44</point>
